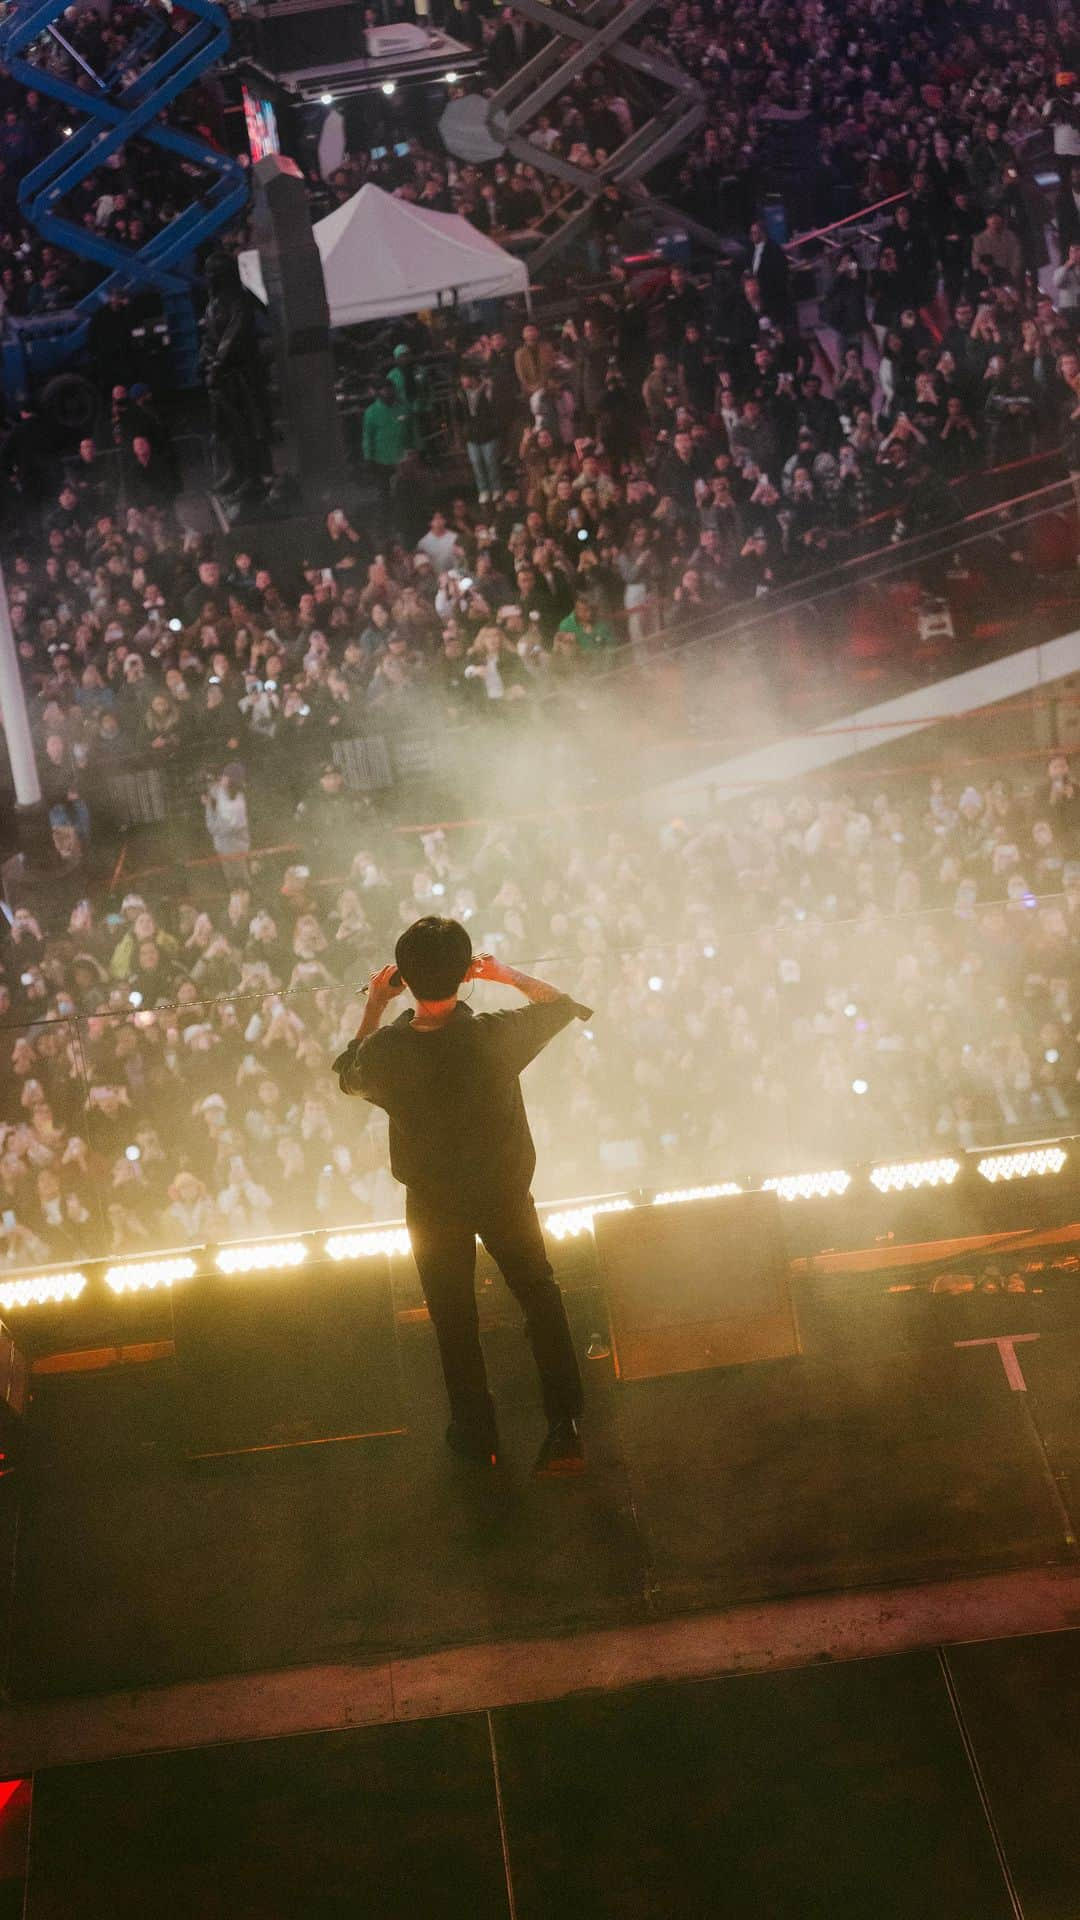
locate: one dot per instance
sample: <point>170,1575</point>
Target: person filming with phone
<point>460,1145</point>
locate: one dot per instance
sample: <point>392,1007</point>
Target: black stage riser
<point>301,1358</point>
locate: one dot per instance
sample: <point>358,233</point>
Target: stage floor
<point>457,1646</point>
<point>891,1451</point>
<point>938,1785</point>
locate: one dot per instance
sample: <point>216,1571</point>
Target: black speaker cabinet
<point>700,1283</point>
<point>287,1359</point>
<point>14,1398</point>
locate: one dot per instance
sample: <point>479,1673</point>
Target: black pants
<point>444,1248</point>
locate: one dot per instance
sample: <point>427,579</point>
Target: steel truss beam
<point>115,108</point>
<point>578,41</point>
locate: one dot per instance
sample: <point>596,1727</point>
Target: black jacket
<point>476,411</point>
<point>774,278</point>
<point>458,1131</point>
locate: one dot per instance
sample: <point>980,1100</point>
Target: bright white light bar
<point>808,1186</point>
<point>136,1276</point>
<point>915,1173</point>
<point>695,1193</point>
<point>268,1258</point>
<point>1024,1165</point>
<point>41,1288</point>
<point>570,1221</point>
<point>360,1246</point>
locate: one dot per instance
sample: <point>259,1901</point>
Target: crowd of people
<point>798,981</point>
<point>776,422</point>
<point>945,346</point>
<point>679,445</point>
<point>803,978</point>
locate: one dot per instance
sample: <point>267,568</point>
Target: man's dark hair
<point>433,957</point>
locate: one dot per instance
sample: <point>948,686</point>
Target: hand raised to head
<point>484,966</point>
<point>386,984</point>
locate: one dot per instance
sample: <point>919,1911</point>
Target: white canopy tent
<point>382,256</point>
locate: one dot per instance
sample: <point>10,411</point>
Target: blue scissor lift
<point>127,101</point>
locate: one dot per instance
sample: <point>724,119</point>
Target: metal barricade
<point>416,755</point>
<point>813,254</point>
<point>365,762</point>
<point>137,798</point>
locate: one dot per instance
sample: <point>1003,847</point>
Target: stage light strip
<point>360,1246</point>
<point>562,1223</point>
<point>679,1194</point>
<point>40,1289</point>
<point>808,1186</point>
<point>568,1222</point>
<point>1025,1165</point>
<point>914,1173</point>
<point>138,1276</point>
<point>271,1257</point>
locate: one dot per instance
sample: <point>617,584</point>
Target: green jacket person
<point>387,429</point>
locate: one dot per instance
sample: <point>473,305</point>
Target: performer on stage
<point>461,1147</point>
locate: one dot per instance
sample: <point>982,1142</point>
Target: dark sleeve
<point>517,1037</point>
<point>357,1070</point>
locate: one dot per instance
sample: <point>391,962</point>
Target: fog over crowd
<point>796,982</point>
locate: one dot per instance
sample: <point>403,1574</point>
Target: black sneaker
<point>563,1451</point>
<point>482,1450</point>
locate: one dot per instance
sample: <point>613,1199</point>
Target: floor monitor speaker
<point>288,1359</point>
<point>700,1283</point>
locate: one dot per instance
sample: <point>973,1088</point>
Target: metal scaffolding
<point>127,101</point>
<point>579,40</point>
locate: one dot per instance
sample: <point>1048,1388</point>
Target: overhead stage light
<point>915,1173</point>
<point>270,1257</point>
<point>138,1276</point>
<point>451,79</point>
<point>41,1289</point>
<point>389,87</point>
<point>326,99</point>
<point>1027,1164</point>
<point>808,1186</point>
<point>695,1193</point>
